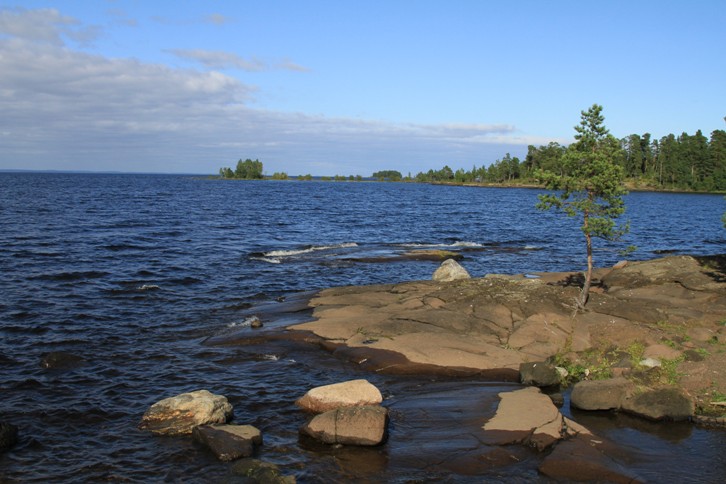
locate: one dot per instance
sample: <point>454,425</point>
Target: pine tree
<point>591,186</point>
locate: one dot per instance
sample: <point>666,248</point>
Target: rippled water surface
<point>132,272</point>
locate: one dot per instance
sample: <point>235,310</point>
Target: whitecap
<point>531,247</point>
<point>463,243</point>
<point>270,357</point>
<point>245,322</point>
<point>269,260</point>
<point>314,248</point>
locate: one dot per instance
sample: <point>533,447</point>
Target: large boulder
<point>364,425</point>
<point>601,394</point>
<point>539,374</point>
<point>8,436</point>
<point>180,414</point>
<point>228,442</point>
<point>346,394</point>
<point>450,270</point>
<point>665,403</point>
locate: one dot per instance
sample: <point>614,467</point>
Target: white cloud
<point>216,59</point>
<point>65,109</point>
<point>44,25</point>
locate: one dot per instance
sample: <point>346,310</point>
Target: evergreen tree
<point>591,186</point>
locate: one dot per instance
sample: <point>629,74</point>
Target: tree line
<point>691,162</point>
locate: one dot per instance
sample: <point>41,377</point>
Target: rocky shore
<point>651,343</point>
<point>658,323</point>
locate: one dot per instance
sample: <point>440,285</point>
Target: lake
<point>133,272</point>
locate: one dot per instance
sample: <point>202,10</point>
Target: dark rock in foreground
<point>539,374</point>
<point>61,360</point>
<point>253,471</point>
<point>228,442</point>
<point>8,436</point>
<point>667,403</point>
<point>601,394</point>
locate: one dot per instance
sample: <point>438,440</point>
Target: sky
<point>344,87</point>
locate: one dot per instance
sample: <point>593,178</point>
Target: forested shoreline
<point>679,163</point>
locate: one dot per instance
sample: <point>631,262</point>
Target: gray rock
<point>539,374</point>
<point>601,394</point>
<point>364,425</point>
<point>8,436</point>
<point>667,403</point>
<point>228,442</point>
<point>180,414</point>
<point>450,270</point>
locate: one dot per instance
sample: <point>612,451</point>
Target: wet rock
<point>345,394</point>
<point>253,471</point>
<point>8,436</point>
<point>450,270</point>
<point>527,417</point>
<point>364,425</point>
<point>601,394</point>
<point>228,442</point>
<point>255,322</point>
<point>666,403</point>
<point>583,459</point>
<point>61,360</point>
<point>539,374</point>
<point>180,414</point>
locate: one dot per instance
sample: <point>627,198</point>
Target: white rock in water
<point>450,270</point>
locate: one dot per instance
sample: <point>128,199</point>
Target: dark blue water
<point>133,272</point>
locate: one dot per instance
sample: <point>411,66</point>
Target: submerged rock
<point>8,436</point>
<point>450,270</point>
<point>257,471</point>
<point>364,425</point>
<point>346,394</point>
<point>180,414</point>
<point>61,360</point>
<point>228,442</point>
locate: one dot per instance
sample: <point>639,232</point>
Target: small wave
<point>244,323</point>
<point>270,357</point>
<point>307,250</point>
<point>269,260</point>
<point>531,247</point>
<point>463,243</point>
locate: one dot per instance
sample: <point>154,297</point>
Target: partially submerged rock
<point>364,425</point>
<point>180,414</point>
<point>601,394</point>
<point>450,270</point>
<point>61,360</point>
<point>666,403</point>
<point>228,442</point>
<point>345,394</point>
<point>526,417</point>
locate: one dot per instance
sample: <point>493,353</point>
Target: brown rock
<point>364,425</point>
<point>539,374</point>
<point>180,414</point>
<point>666,403</point>
<point>228,442</point>
<point>345,394</point>
<point>525,416</point>
<point>584,459</point>
<point>601,394</point>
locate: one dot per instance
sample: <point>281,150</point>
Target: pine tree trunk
<point>585,293</point>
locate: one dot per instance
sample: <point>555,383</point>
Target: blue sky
<point>344,87</point>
